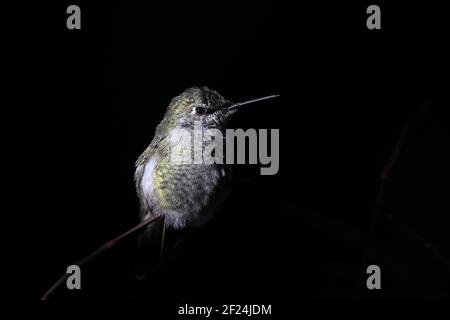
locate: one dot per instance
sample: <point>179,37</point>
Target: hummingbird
<point>186,196</point>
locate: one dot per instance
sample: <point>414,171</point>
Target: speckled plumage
<point>186,194</point>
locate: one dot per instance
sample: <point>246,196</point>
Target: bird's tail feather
<point>150,249</point>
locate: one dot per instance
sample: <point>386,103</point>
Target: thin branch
<point>384,178</point>
<point>427,245</point>
<point>100,250</point>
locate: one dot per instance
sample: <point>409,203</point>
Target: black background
<point>85,104</point>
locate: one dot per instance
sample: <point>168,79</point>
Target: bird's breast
<point>184,193</point>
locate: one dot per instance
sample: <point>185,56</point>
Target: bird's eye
<point>199,110</point>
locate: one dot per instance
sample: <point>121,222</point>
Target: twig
<point>99,251</point>
<point>427,245</point>
<point>384,177</point>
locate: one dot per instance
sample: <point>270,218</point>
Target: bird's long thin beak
<point>239,104</point>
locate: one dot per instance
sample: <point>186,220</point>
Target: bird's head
<point>201,105</point>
